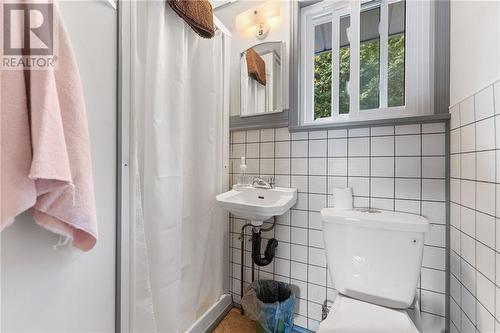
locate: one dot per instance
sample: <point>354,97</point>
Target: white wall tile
<point>485,321</point>
<point>485,193</point>
<point>337,133</point>
<point>486,165</point>
<point>468,221</point>
<point>381,203</point>
<point>468,276</point>
<point>408,166</point>
<point>485,134</point>
<point>433,144</point>
<point>408,129</point>
<point>299,236</point>
<point>433,128</point>
<point>382,187</point>
<point>337,147</point>
<point>467,111</point>
<point>337,166</point>
<point>318,166</point>
<point>317,184</point>
<point>359,147</point>
<point>485,261</point>
<point>408,145</point>
<point>455,144</point>
<point>299,148</point>
<point>282,134</point>
<point>357,132</point>
<point>317,202</point>
<point>316,239</point>
<point>300,183</point>
<point>468,306</point>
<point>282,149</point>
<point>484,103</point>
<point>468,193</point>
<point>238,136</point>
<point>382,130</point>
<point>407,188</point>
<point>382,146</point>
<point>267,150</point>
<point>485,292</point>
<point>299,166</point>
<point>360,185</point>
<point>485,229</point>
<point>455,116</point>
<point>382,167</point>
<point>317,135</point>
<point>468,166</point>
<point>434,257</point>
<point>266,166</point>
<point>432,279</point>
<point>434,167</point>
<point>358,166</point>
<point>317,148</point>
<point>282,166</point>
<point>468,249</point>
<point>267,134</point>
<point>468,138</point>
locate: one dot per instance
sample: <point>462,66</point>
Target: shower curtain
<point>178,148</point>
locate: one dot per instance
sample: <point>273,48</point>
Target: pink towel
<point>45,151</point>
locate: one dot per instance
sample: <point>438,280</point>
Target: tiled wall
<point>474,213</point>
<point>396,168</point>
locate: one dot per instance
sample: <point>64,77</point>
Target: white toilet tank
<point>374,255</point>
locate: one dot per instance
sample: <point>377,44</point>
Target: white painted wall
<point>47,290</point>
<point>280,31</point>
<point>475,47</point>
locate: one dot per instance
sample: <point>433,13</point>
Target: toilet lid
<point>348,315</point>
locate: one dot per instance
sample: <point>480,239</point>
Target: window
<point>364,60</point>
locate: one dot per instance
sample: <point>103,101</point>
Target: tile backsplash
<point>401,168</point>
<point>474,212</point>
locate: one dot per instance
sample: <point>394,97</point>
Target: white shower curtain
<point>178,148</point>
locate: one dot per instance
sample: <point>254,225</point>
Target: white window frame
<point>419,80</point>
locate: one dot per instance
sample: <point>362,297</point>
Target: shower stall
<point>173,242</point>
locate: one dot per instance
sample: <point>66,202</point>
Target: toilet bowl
<point>374,258</point>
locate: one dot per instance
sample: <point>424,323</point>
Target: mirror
<point>261,79</point>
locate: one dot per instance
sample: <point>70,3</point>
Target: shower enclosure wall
<point>174,160</point>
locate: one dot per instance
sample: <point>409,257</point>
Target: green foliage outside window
<point>369,77</point>
<point>323,85</point>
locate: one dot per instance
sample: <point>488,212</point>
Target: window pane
<point>344,69</point>
<point>396,55</point>
<point>323,70</point>
<point>369,62</point>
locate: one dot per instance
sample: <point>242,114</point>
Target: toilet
<point>374,258</point>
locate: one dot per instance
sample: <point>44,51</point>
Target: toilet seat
<point>348,315</point>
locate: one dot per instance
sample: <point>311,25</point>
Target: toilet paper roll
<point>342,198</point>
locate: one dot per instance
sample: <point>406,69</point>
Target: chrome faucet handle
<point>263,182</point>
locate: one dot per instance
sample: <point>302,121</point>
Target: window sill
<point>372,123</point>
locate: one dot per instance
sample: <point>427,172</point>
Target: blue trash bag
<point>271,303</point>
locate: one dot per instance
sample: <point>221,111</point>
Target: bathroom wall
<point>475,166</point>
<point>398,168</point>
<point>474,47</point>
<point>474,208</point>
<point>48,290</point>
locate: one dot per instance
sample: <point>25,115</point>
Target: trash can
<point>272,304</point>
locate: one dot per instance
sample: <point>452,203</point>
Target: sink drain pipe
<point>256,256</point>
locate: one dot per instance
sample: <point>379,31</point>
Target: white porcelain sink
<point>257,204</point>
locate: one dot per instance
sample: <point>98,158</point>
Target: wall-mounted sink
<point>257,204</point>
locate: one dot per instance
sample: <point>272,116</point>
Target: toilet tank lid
<point>376,219</point>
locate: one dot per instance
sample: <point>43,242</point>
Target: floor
<point>234,322</point>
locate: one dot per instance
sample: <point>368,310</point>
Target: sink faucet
<point>263,182</point>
